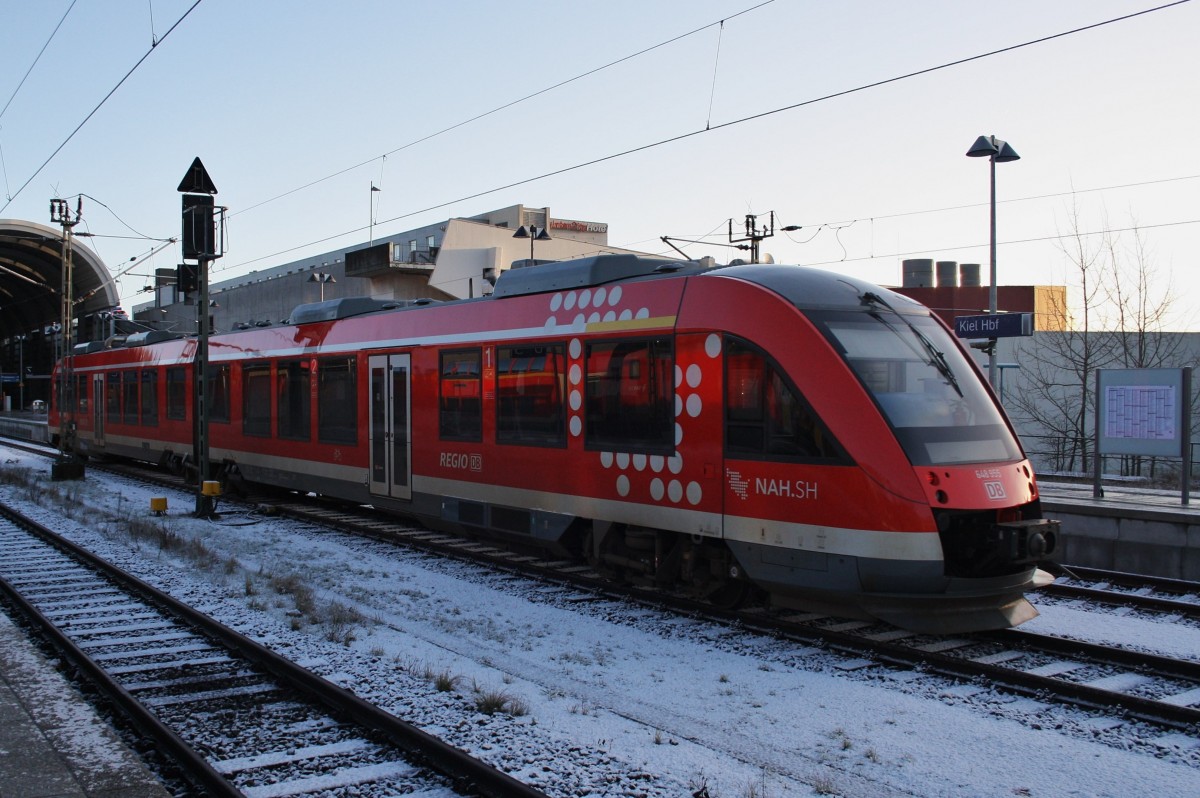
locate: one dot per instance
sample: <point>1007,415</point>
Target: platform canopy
<point>31,278</point>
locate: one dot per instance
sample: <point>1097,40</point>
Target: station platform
<point>1128,498</point>
<point>1131,529</point>
<point>24,426</point>
<point>52,743</point>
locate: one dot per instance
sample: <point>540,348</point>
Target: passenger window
<point>530,381</point>
<point>256,399</point>
<point>460,410</point>
<point>294,400</point>
<point>765,416</point>
<point>337,400</point>
<point>150,398</point>
<point>176,393</point>
<point>218,393</point>
<point>129,388</point>
<point>630,395</point>
<point>112,397</point>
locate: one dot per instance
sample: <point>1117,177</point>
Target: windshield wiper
<point>933,356</point>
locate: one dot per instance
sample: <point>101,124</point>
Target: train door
<point>98,405</point>
<point>391,427</point>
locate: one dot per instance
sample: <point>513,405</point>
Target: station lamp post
<point>533,233</point>
<point>997,151</point>
<point>321,278</point>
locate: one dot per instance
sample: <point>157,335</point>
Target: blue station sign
<point>1000,325</point>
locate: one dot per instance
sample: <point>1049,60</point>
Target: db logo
<point>995,491</point>
<point>477,463</point>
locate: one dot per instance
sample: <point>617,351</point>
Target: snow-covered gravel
<point>620,700</point>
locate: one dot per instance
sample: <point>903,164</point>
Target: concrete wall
<point>1038,365</point>
<point>1153,541</point>
<point>470,248</point>
<point>453,256</point>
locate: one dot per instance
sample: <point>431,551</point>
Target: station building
<point>957,291</point>
<point>32,308</point>
<point>454,259</point>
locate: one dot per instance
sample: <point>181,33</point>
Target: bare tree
<point>1056,398</point>
<point>1142,301</point>
<point>1118,320</point>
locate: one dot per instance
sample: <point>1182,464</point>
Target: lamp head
<point>1006,153</point>
<point>542,235</point>
<point>521,232</point>
<point>994,148</point>
<point>983,146</point>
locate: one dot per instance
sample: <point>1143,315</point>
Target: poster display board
<point>1143,412</point>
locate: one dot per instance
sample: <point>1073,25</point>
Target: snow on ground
<point>623,700</point>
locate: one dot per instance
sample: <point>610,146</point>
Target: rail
<point>469,775</point>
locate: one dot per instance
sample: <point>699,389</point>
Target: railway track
<point>238,719</point>
<point>1159,690</point>
<point>1113,588</point>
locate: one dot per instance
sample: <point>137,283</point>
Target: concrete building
<point>958,293</point>
<point>453,259</point>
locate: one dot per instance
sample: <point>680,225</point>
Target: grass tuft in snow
<point>824,785</point>
<point>491,702</point>
<point>340,620</point>
<point>446,682</point>
<point>301,594</point>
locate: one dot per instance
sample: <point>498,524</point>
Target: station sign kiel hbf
<point>999,325</point>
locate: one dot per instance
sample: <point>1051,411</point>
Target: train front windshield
<point>932,397</point>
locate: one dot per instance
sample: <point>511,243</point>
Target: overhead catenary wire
<point>1031,197</point>
<point>38,57</point>
<point>1011,242</point>
<point>122,221</point>
<point>817,227</point>
<point>99,105</point>
<point>724,125</point>
<point>712,95</point>
<point>560,84</point>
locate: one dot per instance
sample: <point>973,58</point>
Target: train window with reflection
<point>112,397</point>
<point>337,400</point>
<point>129,390</point>
<point>630,395</point>
<point>218,393</point>
<point>150,397</point>
<point>460,409</point>
<point>529,394</point>
<point>924,385</point>
<point>81,392</point>
<point>256,399</point>
<point>765,416</point>
<point>293,399</point>
<point>176,393</point>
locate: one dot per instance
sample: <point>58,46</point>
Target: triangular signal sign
<point>196,180</point>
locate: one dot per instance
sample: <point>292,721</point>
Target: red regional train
<point>718,430</point>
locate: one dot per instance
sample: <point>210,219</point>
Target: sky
<point>654,117</point>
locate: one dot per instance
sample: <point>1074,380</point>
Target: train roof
<point>584,272</point>
<point>815,289</point>
<point>347,307</point>
<point>804,287</point>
